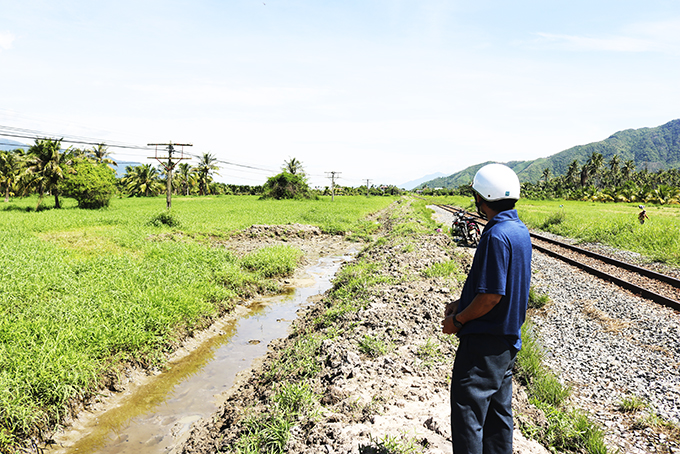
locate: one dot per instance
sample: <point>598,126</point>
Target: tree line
<point>597,180</point>
<point>87,175</point>
<point>612,181</point>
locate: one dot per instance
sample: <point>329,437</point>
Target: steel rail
<point>629,266</point>
<point>645,293</point>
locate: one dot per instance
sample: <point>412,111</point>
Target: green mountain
<point>651,148</point>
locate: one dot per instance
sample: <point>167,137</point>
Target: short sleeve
<point>493,268</point>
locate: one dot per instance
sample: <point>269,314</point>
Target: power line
<point>25,133</point>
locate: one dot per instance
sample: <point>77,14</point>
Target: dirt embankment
<point>382,370</point>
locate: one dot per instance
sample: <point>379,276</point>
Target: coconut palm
<point>142,180</point>
<point>206,166</point>
<point>666,194</point>
<point>100,153</point>
<point>11,170</point>
<point>47,165</point>
<point>572,174</point>
<point>186,177</point>
<point>293,166</point>
<point>614,171</point>
<point>594,165</point>
<point>546,175</point>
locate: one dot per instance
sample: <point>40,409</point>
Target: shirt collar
<point>507,215</point>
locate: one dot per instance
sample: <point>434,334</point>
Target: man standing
<point>488,317</point>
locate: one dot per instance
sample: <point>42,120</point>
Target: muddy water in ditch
<point>157,414</point>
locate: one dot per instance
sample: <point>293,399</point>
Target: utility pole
<point>332,177</point>
<point>367,183</point>
<point>170,164</point>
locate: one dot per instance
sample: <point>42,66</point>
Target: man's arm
<point>480,306</point>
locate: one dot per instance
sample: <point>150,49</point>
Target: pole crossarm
<point>171,162</point>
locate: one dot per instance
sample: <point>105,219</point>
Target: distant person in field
<point>488,318</point>
<point>643,214</point>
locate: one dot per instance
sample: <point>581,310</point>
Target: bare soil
<point>368,400</point>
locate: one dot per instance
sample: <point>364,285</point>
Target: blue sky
<point>384,90</point>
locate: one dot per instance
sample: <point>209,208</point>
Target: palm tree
<point>11,170</point>
<point>628,169</point>
<point>206,165</point>
<point>572,173</point>
<point>614,172</point>
<point>47,166</point>
<point>546,175</point>
<point>186,176</point>
<point>142,180</point>
<point>594,165</point>
<point>293,166</point>
<point>666,194</point>
<point>100,153</point>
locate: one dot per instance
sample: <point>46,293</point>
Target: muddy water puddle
<point>159,412</point>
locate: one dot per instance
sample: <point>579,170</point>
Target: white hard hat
<point>496,182</point>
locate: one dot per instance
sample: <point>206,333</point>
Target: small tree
<point>92,185</point>
<point>287,186</point>
<point>11,171</point>
<point>142,181</point>
<point>47,165</point>
<point>206,166</point>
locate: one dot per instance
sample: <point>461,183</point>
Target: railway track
<point>654,286</point>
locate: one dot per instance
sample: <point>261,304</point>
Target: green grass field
<point>615,224</point>
<point>84,291</point>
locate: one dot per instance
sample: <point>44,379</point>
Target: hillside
<point>652,148</point>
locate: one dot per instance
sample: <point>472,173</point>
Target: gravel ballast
<point>609,345</point>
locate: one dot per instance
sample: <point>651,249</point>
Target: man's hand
<point>451,308</point>
<point>448,326</point>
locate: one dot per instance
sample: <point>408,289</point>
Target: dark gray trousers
<point>481,396</point>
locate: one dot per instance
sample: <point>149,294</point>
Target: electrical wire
<point>23,133</point>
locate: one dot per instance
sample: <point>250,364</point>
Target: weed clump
<point>372,346</point>
<point>554,219</point>
<point>162,219</point>
<point>566,430</point>
<point>537,300</point>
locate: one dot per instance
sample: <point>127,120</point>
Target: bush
<point>92,185</point>
<point>164,219</point>
<point>287,186</point>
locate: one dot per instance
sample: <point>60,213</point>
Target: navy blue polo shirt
<point>502,266</point>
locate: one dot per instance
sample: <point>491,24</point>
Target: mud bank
<point>151,411</point>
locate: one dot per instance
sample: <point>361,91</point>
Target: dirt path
<point>382,371</point>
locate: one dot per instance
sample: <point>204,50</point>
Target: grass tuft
<point>567,430</point>
<point>632,404</point>
<point>372,346</point>
<point>537,300</point>
<point>164,219</point>
<point>390,445</point>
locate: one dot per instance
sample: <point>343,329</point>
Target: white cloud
<point>6,40</point>
<point>660,36</point>
<point>258,96</point>
<point>583,43</point>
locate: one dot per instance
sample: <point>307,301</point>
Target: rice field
<point>83,291</point>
